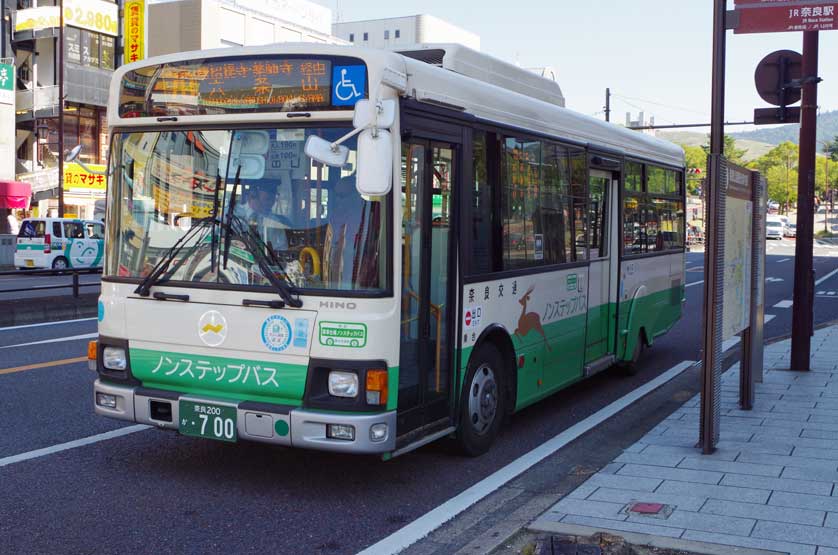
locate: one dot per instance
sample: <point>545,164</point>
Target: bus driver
<point>258,211</point>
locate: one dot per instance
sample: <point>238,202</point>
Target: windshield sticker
<point>472,317</point>
<point>572,282</point>
<point>276,333</point>
<point>348,84</point>
<point>343,334</point>
<point>301,332</point>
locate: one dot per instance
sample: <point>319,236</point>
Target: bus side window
<point>56,230</point>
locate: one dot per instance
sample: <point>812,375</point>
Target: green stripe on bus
<point>24,248</point>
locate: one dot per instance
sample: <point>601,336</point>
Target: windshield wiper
<point>264,257</point>
<point>230,210</point>
<point>213,239</point>
<point>166,260</point>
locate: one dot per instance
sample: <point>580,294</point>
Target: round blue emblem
<point>276,333</point>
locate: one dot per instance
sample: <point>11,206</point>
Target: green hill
<point>754,149</point>
<point>827,130</point>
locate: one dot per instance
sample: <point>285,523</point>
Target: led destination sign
<point>243,85</point>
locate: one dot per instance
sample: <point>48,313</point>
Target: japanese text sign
<point>77,178</point>
<point>772,16</point>
<point>134,30</point>
<point>94,15</point>
<point>7,84</point>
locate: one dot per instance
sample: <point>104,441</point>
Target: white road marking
<point>784,260</point>
<point>57,340</point>
<point>768,318</point>
<point>826,277</point>
<point>772,279</point>
<point>46,324</point>
<point>430,521</point>
<point>784,304</point>
<point>5,461</point>
<point>694,283</point>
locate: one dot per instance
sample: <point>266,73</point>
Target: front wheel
<point>59,263</point>
<point>483,401</point>
<point>630,367</point>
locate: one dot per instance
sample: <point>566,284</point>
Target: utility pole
<point>804,279</point>
<point>61,111</point>
<point>607,104</point>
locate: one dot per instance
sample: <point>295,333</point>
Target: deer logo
<point>529,321</point>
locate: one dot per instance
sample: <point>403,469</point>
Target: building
<point>641,121</point>
<point>89,58</point>
<point>397,32</point>
<point>185,25</point>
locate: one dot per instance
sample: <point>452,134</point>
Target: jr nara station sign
<point>773,16</point>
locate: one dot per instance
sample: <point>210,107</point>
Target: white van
<point>60,243</point>
<point>774,227</point>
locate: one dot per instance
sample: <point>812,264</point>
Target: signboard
<point>739,209</point>
<point>77,179</point>
<point>93,15</point>
<point>243,85</point>
<point>134,31</point>
<point>34,19</point>
<point>7,84</point>
<point>777,16</point>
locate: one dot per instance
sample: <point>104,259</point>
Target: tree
<point>779,166</point>
<point>733,154</point>
<point>830,148</point>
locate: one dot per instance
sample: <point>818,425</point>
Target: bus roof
<point>434,85</point>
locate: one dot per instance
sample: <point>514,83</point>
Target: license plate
<point>30,262</point>
<point>207,420</point>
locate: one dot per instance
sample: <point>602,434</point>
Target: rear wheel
<point>483,402</point>
<point>60,263</point>
<point>630,367</point>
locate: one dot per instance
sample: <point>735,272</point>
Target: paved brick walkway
<point>772,484</point>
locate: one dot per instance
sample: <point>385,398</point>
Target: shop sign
<point>134,31</point>
<point>78,179</point>
<point>93,15</point>
<point>7,84</point>
<point>34,19</point>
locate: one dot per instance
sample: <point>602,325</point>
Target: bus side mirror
<point>374,175</point>
<point>318,148</point>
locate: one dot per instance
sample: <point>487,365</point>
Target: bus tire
<point>630,367</point>
<point>60,263</point>
<point>483,402</point>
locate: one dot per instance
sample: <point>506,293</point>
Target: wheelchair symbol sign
<point>348,84</point>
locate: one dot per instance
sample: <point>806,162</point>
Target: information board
<point>241,85</point>
<point>739,211</point>
<point>773,16</point>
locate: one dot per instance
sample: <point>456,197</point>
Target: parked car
<point>774,228</point>
<point>790,230</point>
<point>59,243</point>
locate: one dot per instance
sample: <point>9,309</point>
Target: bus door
<point>429,170</point>
<point>602,294</point>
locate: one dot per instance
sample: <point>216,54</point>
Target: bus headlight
<point>113,358</point>
<point>343,384</point>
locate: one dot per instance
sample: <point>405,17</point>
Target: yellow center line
<point>41,365</point>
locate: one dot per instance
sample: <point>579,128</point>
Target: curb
<point>47,309</point>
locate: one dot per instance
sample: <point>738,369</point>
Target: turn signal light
<point>92,350</point>
<point>377,387</point>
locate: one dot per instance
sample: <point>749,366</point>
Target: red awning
<point>15,194</point>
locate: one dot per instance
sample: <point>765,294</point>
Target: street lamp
<point>41,136</point>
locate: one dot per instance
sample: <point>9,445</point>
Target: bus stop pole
<point>712,312</point>
<point>804,286</point>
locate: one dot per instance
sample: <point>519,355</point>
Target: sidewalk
<point>771,485</point>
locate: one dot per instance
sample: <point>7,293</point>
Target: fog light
<point>106,400</point>
<point>343,384</point>
<point>340,431</point>
<point>113,358</point>
<point>378,432</point>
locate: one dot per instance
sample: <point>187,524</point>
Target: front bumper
<point>255,421</point>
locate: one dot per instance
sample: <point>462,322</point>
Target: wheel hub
<point>483,399</point>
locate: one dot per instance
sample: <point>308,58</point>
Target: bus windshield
<point>321,231</point>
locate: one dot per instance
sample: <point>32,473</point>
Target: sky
<point>655,55</point>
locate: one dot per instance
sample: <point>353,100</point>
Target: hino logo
<point>338,305</point>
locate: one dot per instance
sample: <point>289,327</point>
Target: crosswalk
<point>829,294</point>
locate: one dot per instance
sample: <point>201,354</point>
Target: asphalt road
<point>44,285</point>
<point>155,491</point>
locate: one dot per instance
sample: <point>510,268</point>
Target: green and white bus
<point>362,251</point>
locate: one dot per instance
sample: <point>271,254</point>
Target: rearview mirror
<point>374,175</point>
<point>367,114</point>
<point>73,153</point>
<point>321,150</point>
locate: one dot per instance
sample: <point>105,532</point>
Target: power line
<point>660,104</point>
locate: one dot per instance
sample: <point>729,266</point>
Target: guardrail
<point>75,284</point>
